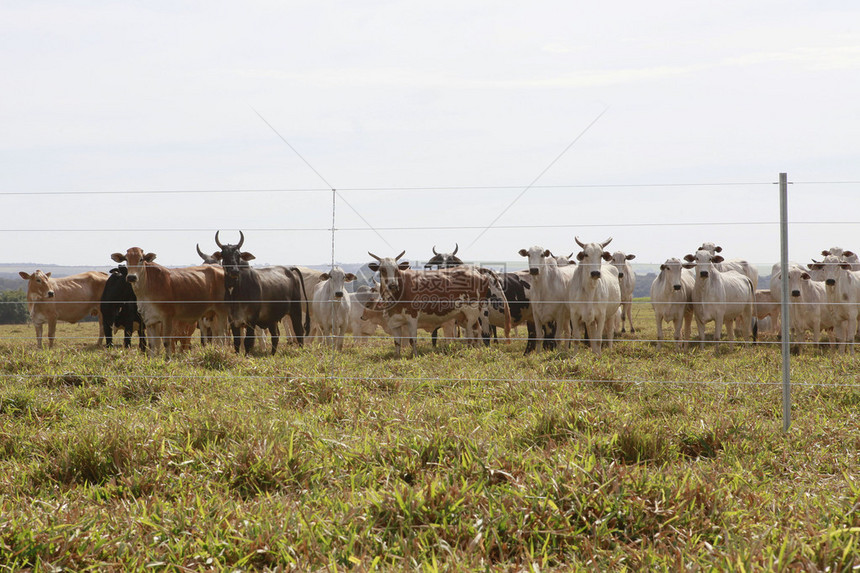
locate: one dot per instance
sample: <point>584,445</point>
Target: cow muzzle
<point>338,294</point>
<point>703,274</point>
<point>131,278</point>
<point>795,293</point>
<point>830,282</point>
<point>533,271</point>
<point>50,294</point>
<point>620,275</point>
<point>595,274</point>
<point>676,287</point>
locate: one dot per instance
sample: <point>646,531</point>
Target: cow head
<point>390,280</point>
<point>336,279</point>
<point>619,260</point>
<point>703,261</point>
<point>208,259</point>
<point>831,267</point>
<point>233,259</point>
<point>135,260</point>
<point>538,259</point>
<point>592,256</point>
<point>712,248</point>
<point>39,285</point>
<point>444,260</point>
<point>671,270</point>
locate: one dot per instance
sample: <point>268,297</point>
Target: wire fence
<point>701,227</point>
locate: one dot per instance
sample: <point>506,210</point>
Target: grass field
<point>461,459</point>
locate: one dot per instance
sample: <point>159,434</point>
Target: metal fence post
<point>785,315</point>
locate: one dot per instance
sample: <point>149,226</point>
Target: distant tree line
<point>13,307</point>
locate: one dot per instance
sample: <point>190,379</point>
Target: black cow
<point>260,297</point>
<point>516,287</point>
<point>119,309</point>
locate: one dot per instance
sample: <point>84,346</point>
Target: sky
<point>493,125</point>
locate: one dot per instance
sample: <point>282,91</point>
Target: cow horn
<point>199,252</point>
<point>217,242</point>
<point>241,239</point>
<point>434,251</point>
<point>606,242</point>
<point>397,258</point>
<point>456,248</point>
<point>578,242</point>
<point>374,256</point>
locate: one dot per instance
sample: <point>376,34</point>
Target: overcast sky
<point>662,124</point>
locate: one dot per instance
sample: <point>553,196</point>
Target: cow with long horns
<point>260,297</point>
<point>594,295</point>
<point>461,293</point>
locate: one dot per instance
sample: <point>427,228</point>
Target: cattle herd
<point>586,296</point>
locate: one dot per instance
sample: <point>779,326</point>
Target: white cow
<point>672,298</point>
<point>627,282</point>
<point>739,265</point>
<point>549,294</point>
<point>842,286</point>
<point>332,305</point>
<point>808,310</point>
<point>720,296</point>
<point>847,256</point>
<point>594,294</point>
<point>767,306</point>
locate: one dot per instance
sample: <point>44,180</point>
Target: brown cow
<point>458,293</point>
<point>165,296</point>
<point>69,299</point>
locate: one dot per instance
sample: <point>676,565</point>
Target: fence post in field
<point>784,312</point>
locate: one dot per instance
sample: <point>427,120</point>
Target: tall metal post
<point>785,314</point>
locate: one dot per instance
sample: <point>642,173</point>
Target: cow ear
<point>373,266</point>
<point>149,257</point>
<point>825,253</point>
<point>717,259</point>
<point>580,255</point>
<point>805,276</point>
<point>48,275</point>
<point>845,266</point>
<point>689,259</point>
<point>718,249</point>
<point>663,267</point>
<point>524,253</point>
<point>607,256</point>
<point>847,254</point>
<point>325,276</point>
<point>688,265</point>
<point>114,271</point>
<point>247,257</point>
<point>816,266</point>
<point>547,253</point>
<point>403,265</point>
<point>630,257</point>
<point>24,275</point>
<point>217,256</point>
<point>118,257</point>
<point>349,277</point>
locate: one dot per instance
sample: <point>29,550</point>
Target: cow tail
<point>754,318</point>
<point>307,324</point>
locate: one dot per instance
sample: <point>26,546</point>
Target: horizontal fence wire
<point>325,341</point>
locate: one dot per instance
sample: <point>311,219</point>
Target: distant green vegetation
<point>463,459</point>
<point>13,307</point>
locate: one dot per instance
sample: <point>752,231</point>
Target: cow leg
<point>531,340</point>
<point>433,336</point>
<point>102,331</point>
<point>128,330</point>
<point>250,336</point>
<point>38,335</point>
<point>237,337</point>
<point>701,326</point>
<point>107,327</point>
<point>852,331</point>
<point>298,329</point>
<point>659,320</point>
<point>275,335</point>
<point>718,332</point>
<point>52,332</point>
<point>141,336</point>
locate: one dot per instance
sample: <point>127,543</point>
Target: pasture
<point>461,459</point>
